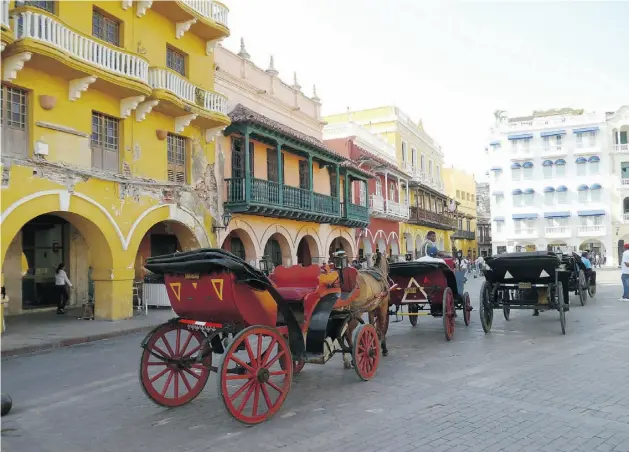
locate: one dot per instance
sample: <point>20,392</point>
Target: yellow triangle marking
<point>218,288</point>
<point>194,285</point>
<point>176,288</point>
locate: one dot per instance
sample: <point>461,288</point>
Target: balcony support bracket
<point>78,85</point>
<point>211,45</point>
<point>181,122</point>
<point>13,65</point>
<point>182,27</point>
<point>128,104</point>
<point>144,109</point>
<point>143,6</point>
<point>211,134</point>
<point>127,4</point>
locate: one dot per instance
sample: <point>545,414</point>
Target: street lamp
<point>227,217</point>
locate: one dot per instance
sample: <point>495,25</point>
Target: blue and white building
<point>550,184</point>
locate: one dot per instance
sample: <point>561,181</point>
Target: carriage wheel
<point>506,311</point>
<point>298,366</point>
<point>365,351</point>
<point>255,384</point>
<point>413,309</point>
<point>562,312</point>
<point>449,313</point>
<point>591,288</point>
<point>174,377</point>
<point>467,309</point>
<point>582,287</point>
<point>485,307</point>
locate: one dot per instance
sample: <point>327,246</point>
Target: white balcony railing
<point>554,121</point>
<point>525,233</point>
<point>376,203</point>
<point>558,231</point>
<point>28,24</point>
<point>168,80</point>
<point>397,209</point>
<point>4,15</point>
<point>624,183</point>
<point>621,147</point>
<point>598,229</point>
<point>625,217</point>
<point>210,10</point>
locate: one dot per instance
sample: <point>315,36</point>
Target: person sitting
<point>590,274</point>
<point>432,255</point>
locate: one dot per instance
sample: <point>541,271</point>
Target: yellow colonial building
<point>420,157</point>
<point>461,186</point>
<point>109,125</point>
<point>293,199</point>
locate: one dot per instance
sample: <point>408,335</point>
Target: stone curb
<point>17,351</point>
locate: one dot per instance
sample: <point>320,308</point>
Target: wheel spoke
<point>256,395</point>
<point>167,384</point>
<point>274,386</point>
<point>268,352</point>
<point>185,381</point>
<point>178,341</point>
<point>259,354</point>
<point>277,373</point>
<point>252,357</point>
<point>176,384</point>
<point>242,389</point>
<point>185,344</point>
<point>167,344</point>
<point>162,353</point>
<point>191,373</point>
<point>247,396</point>
<point>237,377</point>
<point>159,375</point>
<point>278,356</point>
<point>267,398</point>
<point>193,351</point>
<point>241,363</point>
<point>156,363</point>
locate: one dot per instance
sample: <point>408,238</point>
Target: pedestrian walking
<point>62,286</point>
<point>624,273</point>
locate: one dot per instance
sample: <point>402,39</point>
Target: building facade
<point>618,125</point>
<point>290,195</point>
<point>109,119</point>
<point>419,156</point>
<point>483,219</point>
<point>549,183</point>
<point>387,191</point>
<point>461,186</point>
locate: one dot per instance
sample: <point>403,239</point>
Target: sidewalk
<point>31,333</point>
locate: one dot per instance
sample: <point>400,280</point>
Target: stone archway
<point>338,244</point>
<point>409,243</point>
<point>381,245</point>
<point>277,249</point>
<point>240,243</point>
<point>364,248</point>
<point>593,247</point>
<point>307,251</point>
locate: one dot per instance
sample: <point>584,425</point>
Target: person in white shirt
<point>63,286</point>
<point>624,273</point>
<point>432,255</point>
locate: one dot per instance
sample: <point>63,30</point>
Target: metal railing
<point>397,209</point>
<point>598,229</point>
<point>558,231</point>
<point>418,214</point>
<point>621,147</point>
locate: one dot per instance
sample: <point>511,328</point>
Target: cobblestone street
<point>523,387</point>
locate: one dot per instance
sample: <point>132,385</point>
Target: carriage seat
<point>294,283</point>
<point>350,275</point>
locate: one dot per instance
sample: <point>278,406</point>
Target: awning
<point>499,218</point>
<point>556,214</point>
<point>495,143</point>
<point>547,163</point>
<point>517,191</point>
<point>521,136</point>
<point>581,160</point>
<point>590,213</point>
<point>516,165</point>
<point>595,187</point>
<point>496,168</point>
<point>583,187</point>
<point>549,190</point>
<point>497,193</point>
<point>594,158</point>
<point>524,216</point>
<point>560,162</point>
<point>585,129</point>
<point>562,188</point>
<point>528,191</point>
<point>552,133</point>
<point>527,165</point>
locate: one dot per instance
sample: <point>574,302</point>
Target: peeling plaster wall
<point>78,264</point>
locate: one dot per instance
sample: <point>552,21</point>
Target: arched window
<point>392,196</point>
<point>422,162</point>
<point>378,187</point>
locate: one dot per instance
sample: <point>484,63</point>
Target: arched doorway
<point>307,251</point>
<point>408,239</point>
<point>394,249</point>
<point>594,247</point>
<point>558,247</point>
<point>165,237</point>
<point>239,243</point>
<point>341,244</point>
<point>524,247</point>
<point>418,244</point>
<point>381,245</point>
<point>277,250</point>
<point>364,249</point>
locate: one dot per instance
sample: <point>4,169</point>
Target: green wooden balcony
<point>270,199</point>
<point>354,215</point>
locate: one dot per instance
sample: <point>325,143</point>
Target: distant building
<point>461,186</point>
<point>483,219</point>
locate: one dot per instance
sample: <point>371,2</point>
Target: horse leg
<point>351,326</point>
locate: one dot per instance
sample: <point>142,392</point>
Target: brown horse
<point>373,284</point>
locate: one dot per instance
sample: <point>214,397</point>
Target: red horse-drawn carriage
<point>265,328</point>
<point>432,287</point>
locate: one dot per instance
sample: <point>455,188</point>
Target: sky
<point>450,63</point>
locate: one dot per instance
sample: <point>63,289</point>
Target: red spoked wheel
<point>366,351</point>
<point>255,383</point>
<point>449,313</point>
<point>467,309</point>
<point>169,372</point>
<point>298,366</point>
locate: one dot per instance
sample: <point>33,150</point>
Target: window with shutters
<point>252,159</point>
<point>105,142</point>
<point>176,60</point>
<point>334,192</point>
<point>238,158</point>
<point>105,28</point>
<point>45,5</point>
<point>14,107</point>
<point>271,165</point>
<point>304,177</point>
<point>176,159</point>
<point>378,187</point>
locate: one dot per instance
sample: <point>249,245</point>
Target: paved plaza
<point>523,387</point>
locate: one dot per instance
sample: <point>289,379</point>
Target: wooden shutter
<point>333,187</point>
<point>238,161</point>
<point>271,165</point>
<point>304,179</point>
<point>176,159</point>
<point>252,159</point>
<point>14,121</point>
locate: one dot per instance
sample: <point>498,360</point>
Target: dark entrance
<point>273,251</point>
<point>303,253</point>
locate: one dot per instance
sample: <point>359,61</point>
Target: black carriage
<point>531,280</point>
<point>582,282</point>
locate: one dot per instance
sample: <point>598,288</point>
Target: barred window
<point>106,28</point>
<point>105,142</point>
<point>176,159</point>
<point>176,61</point>
<point>13,107</point>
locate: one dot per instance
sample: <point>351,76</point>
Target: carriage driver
<point>431,241</point>
<point>432,255</point>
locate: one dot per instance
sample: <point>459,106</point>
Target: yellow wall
<point>110,217</point>
<point>465,183</point>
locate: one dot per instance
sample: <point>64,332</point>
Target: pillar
<point>280,174</point>
<point>346,194</point>
<point>247,168</point>
<point>337,174</point>
<point>364,182</point>
<point>311,181</point>
<point>386,190</point>
<point>113,293</point>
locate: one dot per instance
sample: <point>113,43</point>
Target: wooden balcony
<point>431,219</point>
<point>460,234</point>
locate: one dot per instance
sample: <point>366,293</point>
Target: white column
<point>386,187</point>
<point>399,190</point>
<point>408,198</point>
<point>618,137</point>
